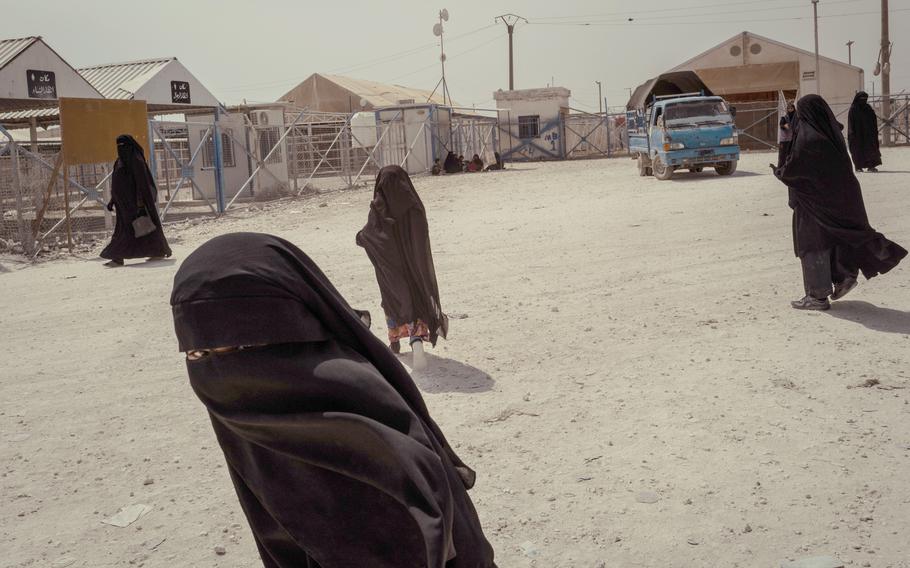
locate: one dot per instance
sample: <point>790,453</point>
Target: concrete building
<point>532,123</point>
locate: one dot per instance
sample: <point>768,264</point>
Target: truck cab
<point>692,131</point>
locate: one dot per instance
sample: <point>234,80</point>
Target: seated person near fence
<point>475,165</point>
<point>436,169</point>
<point>498,165</point>
<point>451,165</point>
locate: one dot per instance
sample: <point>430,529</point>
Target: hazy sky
<point>258,50</point>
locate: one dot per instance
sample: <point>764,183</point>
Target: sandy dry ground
<point>623,371</point>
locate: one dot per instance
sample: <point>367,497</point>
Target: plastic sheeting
<point>675,83</point>
<point>768,77</point>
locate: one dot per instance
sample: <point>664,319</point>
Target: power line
<point>792,3</point>
<point>633,23</point>
<point>362,65</point>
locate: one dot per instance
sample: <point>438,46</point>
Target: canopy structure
<point>33,77</point>
<point>165,84</point>
<point>674,83</point>
<point>335,93</point>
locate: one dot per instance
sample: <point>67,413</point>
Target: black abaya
<point>829,212</point>
<point>397,241</point>
<point>133,189</point>
<point>863,133</point>
<point>329,444</point>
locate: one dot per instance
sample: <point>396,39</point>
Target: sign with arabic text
<point>41,84</point>
<point>180,92</point>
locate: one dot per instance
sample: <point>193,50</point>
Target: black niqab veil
<point>132,189</point>
<point>329,444</point>
<point>397,241</point>
<point>862,132</point>
<point>826,196</point>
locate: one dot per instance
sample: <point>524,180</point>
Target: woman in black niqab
<point>397,241</point>
<point>831,231</point>
<point>451,165</point>
<point>133,193</point>
<point>328,442</point>
<point>862,132</point>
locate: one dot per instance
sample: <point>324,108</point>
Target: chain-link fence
<point>44,204</point>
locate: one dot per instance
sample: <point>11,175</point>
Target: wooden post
<point>66,206</point>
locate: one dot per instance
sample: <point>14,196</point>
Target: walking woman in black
<point>133,194</point>
<point>328,442</point>
<point>831,231</point>
<point>397,240</point>
<point>862,133</point>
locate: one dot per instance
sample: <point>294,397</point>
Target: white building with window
<point>532,123</point>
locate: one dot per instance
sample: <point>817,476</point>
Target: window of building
<point>227,149</point>
<point>268,139</point>
<point>529,126</point>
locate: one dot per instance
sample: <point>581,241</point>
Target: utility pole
<point>600,96</point>
<point>850,52</point>
<point>510,20</point>
<point>886,75</point>
<point>818,84</point>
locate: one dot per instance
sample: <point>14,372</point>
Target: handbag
<point>143,224</point>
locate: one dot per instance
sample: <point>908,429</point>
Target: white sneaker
<point>420,358</point>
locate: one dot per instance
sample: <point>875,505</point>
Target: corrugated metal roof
<point>10,48</point>
<point>25,115</point>
<point>381,94</point>
<point>121,80</point>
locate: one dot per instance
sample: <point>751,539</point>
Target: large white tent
<point>336,93</point>
<point>750,71</point>
<point>750,67</point>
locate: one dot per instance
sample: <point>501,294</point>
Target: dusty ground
<point>615,340</point>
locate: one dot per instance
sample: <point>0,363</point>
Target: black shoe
<point>810,303</point>
<point>872,170</point>
<point>113,263</point>
<point>842,289</point>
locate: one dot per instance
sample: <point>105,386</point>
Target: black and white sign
<point>41,84</point>
<point>180,92</point>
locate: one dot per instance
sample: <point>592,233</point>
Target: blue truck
<point>675,122</point>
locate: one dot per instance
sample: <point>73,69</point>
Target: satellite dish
<point>878,69</point>
<point>444,14</point>
<point>364,103</point>
<point>437,30</point>
<point>442,57</point>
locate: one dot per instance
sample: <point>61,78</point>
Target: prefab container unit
<point>413,136</point>
<point>245,141</point>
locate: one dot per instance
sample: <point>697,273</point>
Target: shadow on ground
<point>447,375</point>
<point>684,176</point>
<point>152,263</point>
<point>872,316</point>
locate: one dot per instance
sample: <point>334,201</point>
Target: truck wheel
<point>643,169</point>
<point>726,168</point>
<point>662,171</point>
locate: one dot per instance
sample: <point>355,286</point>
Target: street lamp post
<point>818,84</point>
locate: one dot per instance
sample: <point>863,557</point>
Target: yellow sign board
<point>90,127</point>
